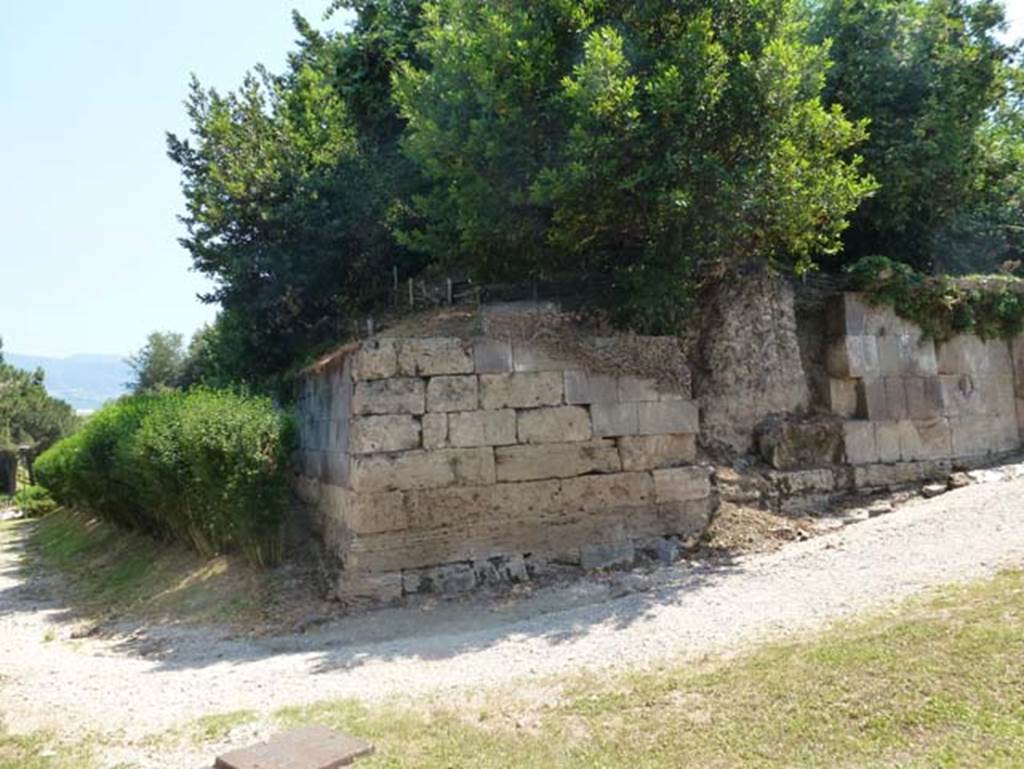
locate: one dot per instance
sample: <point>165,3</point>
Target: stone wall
<point>904,398</point>
<point>441,464</point>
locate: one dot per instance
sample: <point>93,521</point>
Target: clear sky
<point>89,261</point>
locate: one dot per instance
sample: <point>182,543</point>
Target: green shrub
<point>205,467</point>
<point>34,501</point>
<point>991,306</point>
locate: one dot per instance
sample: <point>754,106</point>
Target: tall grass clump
<point>206,467</point>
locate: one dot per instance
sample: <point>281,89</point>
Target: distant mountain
<point>84,381</point>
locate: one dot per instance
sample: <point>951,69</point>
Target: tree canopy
<point>29,416</point>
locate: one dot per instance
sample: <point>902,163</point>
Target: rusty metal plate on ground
<point>311,747</point>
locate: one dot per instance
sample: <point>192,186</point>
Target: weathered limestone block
<point>458,505</point>
<point>638,389</point>
<point>997,395</point>
<point>668,417</point>
<point>584,387</point>
<point>614,419</point>
<point>887,441</point>
<point>653,452</point>
<point>501,569</point>
<point>389,396</point>
<point>924,397</point>
<point>983,435</point>
<point>452,393</point>
<point>967,354</point>
<point>602,493</point>
<point>789,444</point>
<point>423,469</point>
<point>907,353</point>
<point>355,587</point>
<point>492,356</point>
<point>925,439</point>
<point>848,314</point>
<point>533,357</point>
<point>842,397</point>
<point>853,357</point>
<point>394,432</point>
<point>482,428</point>
<point>434,357</point>
<point>435,431</point>
<point>335,467</point>
<point>556,460</point>
<point>369,513</point>
<point>557,424</point>
<point>681,484</point>
<point>1017,360</point>
<point>445,579</point>
<point>859,442</point>
<point>375,359</point>
<point>900,474</point>
<point>871,399</point>
<point>896,396</point>
<point>521,391</point>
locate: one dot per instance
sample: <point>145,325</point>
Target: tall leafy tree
<point>29,416</point>
<point>638,141</point>
<point>159,364</point>
<point>927,74</point>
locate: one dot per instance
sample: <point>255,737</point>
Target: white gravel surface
<point>134,686</point>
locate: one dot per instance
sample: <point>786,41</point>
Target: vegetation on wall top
<point>991,306</point>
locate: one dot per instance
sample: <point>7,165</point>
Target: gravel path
<point>143,685</point>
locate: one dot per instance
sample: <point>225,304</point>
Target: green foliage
<point>160,364</point>
<point>930,76</point>
<point>34,501</point>
<point>29,416</point>
<point>205,467</point>
<point>290,186</point>
<point>647,142</point>
<point>991,306</point>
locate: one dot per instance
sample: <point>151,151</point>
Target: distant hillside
<point>84,381</point>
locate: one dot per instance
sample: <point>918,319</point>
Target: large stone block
<point>558,424</point>
<point>584,387</point>
<point>961,396</point>
<point>375,359</point>
<point>521,391</point>
<point>598,493</point>
<point>389,396</point>
<point>681,484</point>
<point>859,442</point>
<point>925,439</point>
<point>895,397</point>
<point>423,469</point>
<point>842,397</point>
<point>871,399</point>
<point>527,357</point>
<point>452,393</point>
<point>458,505</point>
<point>1017,358</point>
<point>924,397</point>
<point>492,356</point>
<point>435,431</point>
<point>614,419</point>
<point>482,428</point>
<point>853,357</point>
<point>899,474</point>
<point>790,444</point>
<point>335,467</point>
<point>638,389</point>
<point>967,354</point>
<point>907,353</point>
<point>371,513</point>
<point>997,395</point>
<point>887,441</point>
<point>847,315</point>
<point>434,357</point>
<point>653,452</point>
<point>983,435</point>
<point>668,417</point>
<point>394,432</point>
<point>556,460</point>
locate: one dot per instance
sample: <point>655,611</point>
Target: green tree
<point>928,75</point>
<point>649,142</point>
<point>291,186</point>
<point>160,364</point>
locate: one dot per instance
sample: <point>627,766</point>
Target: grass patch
<point>109,571</point>
<point>40,751</point>
<point>216,727</point>
<point>938,684</point>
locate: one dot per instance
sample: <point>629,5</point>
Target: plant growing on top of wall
<point>991,306</point>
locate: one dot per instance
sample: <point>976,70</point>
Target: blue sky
<point>89,261</point>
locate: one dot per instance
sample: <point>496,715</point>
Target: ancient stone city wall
<point>442,464</point>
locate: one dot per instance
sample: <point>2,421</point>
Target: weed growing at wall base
<point>206,467</point>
